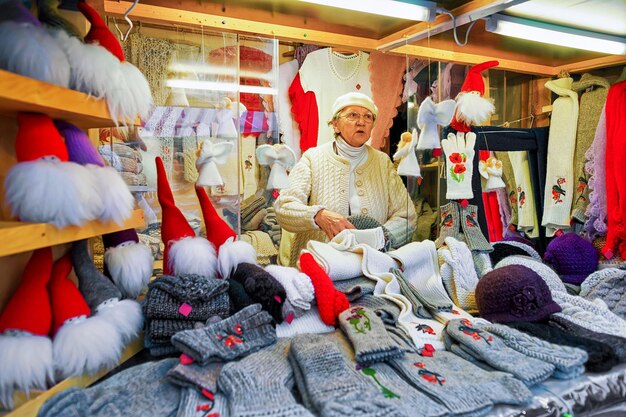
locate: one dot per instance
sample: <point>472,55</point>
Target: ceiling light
<point>423,11</point>
<point>555,34</point>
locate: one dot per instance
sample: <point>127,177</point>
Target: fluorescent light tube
<point>220,86</point>
<point>423,11</point>
<point>555,35</point>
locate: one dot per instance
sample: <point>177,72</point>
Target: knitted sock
<point>193,402</point>
<point>601,356</point>
<point>419,262</point>
<point>494,352</point>
<point>195,375</point>
<point>287,276</point>
<point>460,263</point>
<point>410,292</point>
<point>471,230</point>
<point>262,288</point>
<point>246,331</point>
<point>329,385</point>
<point>450,222</point>
<point>567,360</point>
<point>368,336</point>
<point>239,298</point>
<point>309,322</point>
<point>260,384</point>
<point>330,302</point>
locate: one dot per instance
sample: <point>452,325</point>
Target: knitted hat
<point>26,359</point>
<point>127,261</point>
<point>546,273</point>
<point>608,284</point>
<point>573,257</point>
<point>231,252</point>
<point>471,108</point>
<point>99,32</point>
<point>354,99</point>
<point>38,138</point>
<point>503,249</point>
<point>514,293</point>
<point>67,301</point>
<point>184,253</point>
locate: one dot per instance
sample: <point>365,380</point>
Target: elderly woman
<point>344,178</point>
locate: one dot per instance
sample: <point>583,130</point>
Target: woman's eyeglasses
<point>355,117</point>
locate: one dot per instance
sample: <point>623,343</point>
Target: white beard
<point>472,109</point>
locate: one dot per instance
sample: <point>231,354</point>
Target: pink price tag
<point>185,309</point>
<point>186,359</point>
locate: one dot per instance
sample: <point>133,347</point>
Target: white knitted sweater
<point>380,189</point>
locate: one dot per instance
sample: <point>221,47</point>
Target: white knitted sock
<point>459,258</point>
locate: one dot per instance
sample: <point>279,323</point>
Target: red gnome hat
<point>67,301</point>
<point>184,252</point>
<point>99,32</point>
<point>473,109</point>
<point>37,137</point>
<point>231,252</point>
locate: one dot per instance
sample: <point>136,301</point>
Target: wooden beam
<point>168,16</point>
<point>465,58</point>
<point>468,12</point>
<point>605,61</point>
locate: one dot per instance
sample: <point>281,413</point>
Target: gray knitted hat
<point>188,297</point>
<point>95,287</point>
<point>607,284</point>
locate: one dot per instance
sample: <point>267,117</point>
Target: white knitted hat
<point>354,99</point>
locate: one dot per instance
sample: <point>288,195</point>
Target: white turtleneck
<point>356,156</point>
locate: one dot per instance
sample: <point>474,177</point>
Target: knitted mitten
<point>494,352</point>
<point>260,384</point>
<point>459,150</point>
<point>450,223</point>
<point>262,288</point>
<point>239,298</point>
<point>330,302</point>
<point>459,265</point>
<point>567,360</point>
<point>368,336</point>
<point>293,281</point>
<point>246,331</point>
<point>329,386</point>
<point>471,230</point>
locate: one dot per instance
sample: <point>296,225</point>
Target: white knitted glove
<point>459,151</point>
<point>491,170</point>
<point>459,266</point>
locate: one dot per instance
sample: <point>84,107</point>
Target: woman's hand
<point>331,223</point>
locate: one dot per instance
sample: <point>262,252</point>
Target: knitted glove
<point>495,353</point>
<point>568,361</point>
<point>262,288</point>
<point>245,332</point>
<point>459,266</point>
<point>260,385</point>
<point>329,386</point>
<point>368,336</point>
<point>459,150</point>
<point>491,170</point>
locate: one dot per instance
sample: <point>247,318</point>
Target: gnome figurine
<point>471,107</point>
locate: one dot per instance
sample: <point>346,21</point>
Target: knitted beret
<point>573,257</point>
<point>354,99</point>
<point>514,293</point>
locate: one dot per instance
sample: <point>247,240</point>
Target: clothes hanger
<point>130,22</point>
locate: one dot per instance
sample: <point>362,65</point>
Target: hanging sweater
<point>321,179</point>
<point>560,176</point>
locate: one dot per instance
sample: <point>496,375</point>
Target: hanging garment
<point>304,110</point>
<point>287,126</point>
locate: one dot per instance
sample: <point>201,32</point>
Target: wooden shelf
<point>23,94</point>
<point>28,407</point>
<point>17,237</point>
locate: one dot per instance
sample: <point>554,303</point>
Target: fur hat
<point>185,253</point>
<point>26,360</point>
<point>514,293</point>
<point>354,99</point>
<point>231,252</point>
<point>471,107</point>
<point>128,262</point>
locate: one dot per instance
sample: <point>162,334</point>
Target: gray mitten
<point>368,336</point>
<point>260,384</point>
<point>243,333</point>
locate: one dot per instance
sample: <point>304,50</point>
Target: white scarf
<point>356,156</point>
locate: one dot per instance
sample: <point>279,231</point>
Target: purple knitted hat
<point>79,146</point>
<point>15,11</point>
<point>111,240</point>
<point>573,257</point>
<point>514,293</point>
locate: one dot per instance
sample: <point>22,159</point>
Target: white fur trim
<point>117,201</point>
<point>232,253</point>
<point>48,191</point>
<point>130,265</point>
<point>472,109</point>
<point>125,315</point>
<point>85,346</point>
<point>25,364</point>
<point>192,255</point>
<point>30,51</point>
<point>87,186</point>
